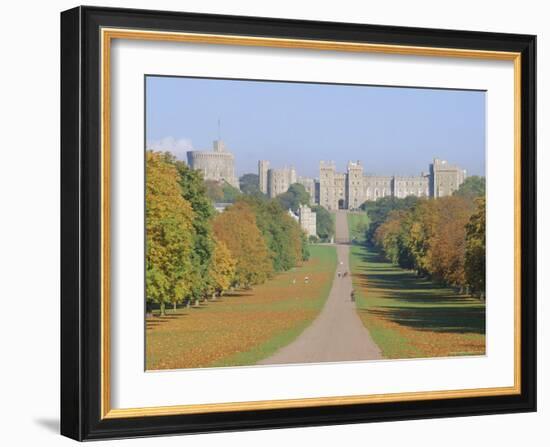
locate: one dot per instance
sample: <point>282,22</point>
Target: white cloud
<point>177,147</point>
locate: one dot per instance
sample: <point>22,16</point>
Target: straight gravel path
<point>337,334</point>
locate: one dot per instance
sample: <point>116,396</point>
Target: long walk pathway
<point>337,334</point>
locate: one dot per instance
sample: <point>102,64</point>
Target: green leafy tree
<point>325,223</point>
<point>221,191</point>
<point>389,237</point>
<point>169,234</point>
<point>193,189</point>
<point>214,190</point>
<point>421,223</point>
<point>379,210</point>
<point>306,254</point>
<point>294,197</point>
<point>249,184</point>
<point>472,187</point>
<point>281,232</point>
<point>230,193</point>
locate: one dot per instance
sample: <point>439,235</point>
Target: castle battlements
<point>349,190</point>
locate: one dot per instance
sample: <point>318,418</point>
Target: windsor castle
<point>333,190</point>
<point>349,190</point>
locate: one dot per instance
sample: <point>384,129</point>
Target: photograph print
<point>296,223</point>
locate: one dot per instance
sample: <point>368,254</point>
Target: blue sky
<point>391,130</point>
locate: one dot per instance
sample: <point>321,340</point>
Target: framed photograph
<point>276,223</point>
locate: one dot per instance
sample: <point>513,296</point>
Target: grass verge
<point>411,317</point>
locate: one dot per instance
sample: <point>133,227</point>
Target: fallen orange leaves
<point>235,323</point>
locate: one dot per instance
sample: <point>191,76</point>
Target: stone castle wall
<point>351,189</point>
<point>274,182</point>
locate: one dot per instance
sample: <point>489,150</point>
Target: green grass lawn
<point>357,224</point>
<point>411,317</point>
<point>247,325</point>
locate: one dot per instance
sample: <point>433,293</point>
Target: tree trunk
<point>162,309</point>
<point>175,306</point>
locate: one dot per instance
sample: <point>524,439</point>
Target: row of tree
<point>443,239</point>
<point>193,252</point>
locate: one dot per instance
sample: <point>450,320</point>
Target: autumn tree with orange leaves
<point>442,239</point>
<point>194,253</point>
<point>223,268</point>
<point>236,227</point>
<point>448,243</point>
<point>475,250</point>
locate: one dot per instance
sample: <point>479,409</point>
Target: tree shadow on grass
<point>445,319</point>
<point>157,321</point>
<point>417,302</point>
<point>236,294</point>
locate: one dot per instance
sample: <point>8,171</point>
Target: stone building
<point>375,187</point>
<point>279,180</point>
<point>306,218</point>
<point>418,186</point>
<point>274,182</point>
<point>350,189</point>
<point>446,178</point>
<point>332,187</point>
<point>218,164</point>
<point>263,168</point>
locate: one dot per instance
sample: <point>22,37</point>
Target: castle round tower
<point>218,164</point>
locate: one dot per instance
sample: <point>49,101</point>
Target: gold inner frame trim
<point>107,35</point>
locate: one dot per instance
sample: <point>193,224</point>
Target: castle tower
<point>354,185</point>
<point>292,177</point>
<point>217,164</point>
<point>219,146</point>
<point>445,178</point>
<point>263,168</point>
<point>327,187</point>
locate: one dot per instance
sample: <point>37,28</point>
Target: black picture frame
<point>81,224</point>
